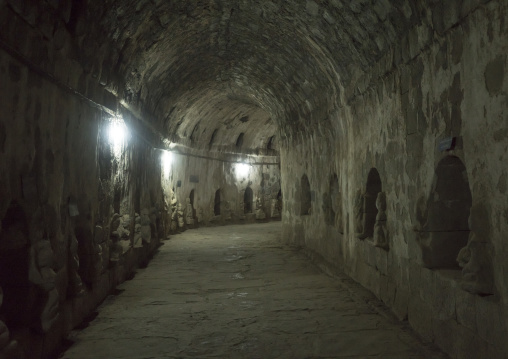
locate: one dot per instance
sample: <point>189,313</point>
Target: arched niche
<point>305,196</point>
<point>239,140</point>
<point>14,266</point>
<point>248,198</point>
<point>446,229</point>
<point>216,206</point>
<point>191,197</point>
<point>212,138</point>
<point>271,143</point>
<point>369,209</point>
<point>330,200</point>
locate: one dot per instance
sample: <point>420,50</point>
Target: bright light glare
<point>117,134</point>
<point>242,170</point>
<point>166,159</point>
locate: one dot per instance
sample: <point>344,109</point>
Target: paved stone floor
<point>236,292</point>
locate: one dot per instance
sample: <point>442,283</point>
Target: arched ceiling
<point>238,66</point>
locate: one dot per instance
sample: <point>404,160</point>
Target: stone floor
<point>236,292</point>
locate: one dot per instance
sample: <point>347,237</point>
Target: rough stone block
<point>312,8</point>
<point>427,284</point>
<point>383,288</point>
<point>494,75</point>
<point>443,297</point>
<point>470,346</point>
<point>489,320</point>
<point>445,334</point>
<point>415,283</point>
<point>400,304</point>
<point>370,251</point>
<point>465,305</point>
<point>382,261</point>
<point>451,13</point>
<point>420,318</point>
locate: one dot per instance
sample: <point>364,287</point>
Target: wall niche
<point>365,208</point>
<point>445,228</point>
<point>305,196</point>
<point>216,206</point>
<point>331,201</point>
<point>14,264</point>
<point>248,198</point>
<point>193,206</point>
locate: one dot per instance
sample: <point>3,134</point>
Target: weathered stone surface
<point>494,75</point>
<point>321,89</point>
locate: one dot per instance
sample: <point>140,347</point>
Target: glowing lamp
<point>117,133</point>
<point>166,159</point>
<point>242,170</point>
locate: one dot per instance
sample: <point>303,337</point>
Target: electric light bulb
<point>242,170</point>
<point>117,133</point>
<point>166,159</point>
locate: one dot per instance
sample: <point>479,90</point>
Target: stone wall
<point>426,127</point>
<point>216,186</point>
<point>68,197</point>
<point>79,210</point>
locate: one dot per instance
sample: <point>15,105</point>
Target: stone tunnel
<point>372,135</point>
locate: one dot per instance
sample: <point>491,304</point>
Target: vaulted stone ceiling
<point>238,66</point>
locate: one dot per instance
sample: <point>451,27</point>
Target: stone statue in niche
<point>174,214</point>
<point>75,288</point>
<point>124,232</point>
<point>124,228</point>
<point>241,209</point>
<point>380,230</point>
<point>211,210</point>
<point>8,347</point>
<point>174,221</point>
<point>146,229</point>
<point>477,272</point>
<point>138,239</point>
<point>260,214</point>
<point>201,215</point>
<point>189,213</point>
<point>241,204</point>
<point>115,248</point>
<point>226,213</point>
<point>358,212</point>
<point>158,220</point>
<point>101,248</point>
<point>90,251</point>
<point>42,275</point>
<point>274,210</point>
<point>181,222</point>
<point>166,215</point>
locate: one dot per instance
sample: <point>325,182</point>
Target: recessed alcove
<point>216,206</point>
<point>191,197</point>
<point>446,230</point>
<point>270,144</point>
<point>330,200</point>
<point>212,138</point>
<point>305,196</point>
<point>373,187</point>
<point>14,265</point>
<point>248,198</point>
<point>239,141</point>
